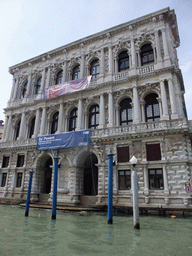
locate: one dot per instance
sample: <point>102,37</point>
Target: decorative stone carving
<point>143,38</point>
<point>146,199</point>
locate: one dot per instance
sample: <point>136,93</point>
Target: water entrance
<point>47,177</point>
<point>73,234</point>
<point>91,175</point>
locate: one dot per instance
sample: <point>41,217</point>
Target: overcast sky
<point>31,27</point>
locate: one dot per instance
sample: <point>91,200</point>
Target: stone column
<point>142,103</point>
<point>12,89</point>
<point>138,58</point>
<point>66,123</point>
<point>80,115</point>
<point>136,114</point>
<point>43,121</point>
<point>133,54</point>
<point>22,130</point>
<point>116,65</point>
<point>61,119</point>
<point>110,60</point>
<point>164,101</point>
<point>165,47</point>
<point>102,112</point>
<point>29,84</point>
<point>43,80</point>
<point>9,129</point>
<point>85,119</point>
<point>159,58</point>
<point>146,180</point>
<point>160,108</point>
<point>110,110</point>
<point>16,88</point>
<point>48,78</point>
<point>82,65</point>
<point>165,180</point>
<point>102,63</point>
<point>37,124</point>
<point>117,111</point>
<point>64,79</point>
<point>172,96</point>
<point>5,128</point>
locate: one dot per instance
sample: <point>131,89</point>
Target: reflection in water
<point>72,234</point>
<point>110,230</point>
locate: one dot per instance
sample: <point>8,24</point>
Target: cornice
<point>131,25</point>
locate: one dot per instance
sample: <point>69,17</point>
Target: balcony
<point>139,128</point>
<point>118,131</point>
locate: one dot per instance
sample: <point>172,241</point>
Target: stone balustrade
<point>145,69</point>
<point>115,131</point>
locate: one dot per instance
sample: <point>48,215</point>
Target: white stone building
<point>133,106</point>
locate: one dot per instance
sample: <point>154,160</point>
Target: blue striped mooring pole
<point>29,192</point>
<point>54,201</point>
<point>110,189</point>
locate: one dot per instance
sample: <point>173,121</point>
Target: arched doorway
<point>91,175</point>
<point>47,176</point>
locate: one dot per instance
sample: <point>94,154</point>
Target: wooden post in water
<point>133,161</point>
<point>110,189</point>
<point>54,201</point>
<point>29,192</point>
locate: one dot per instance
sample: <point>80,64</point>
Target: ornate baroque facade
<point>133,106</point>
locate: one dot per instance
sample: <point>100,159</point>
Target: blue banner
<point>64,140</point>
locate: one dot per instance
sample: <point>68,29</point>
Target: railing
<point>18,143</point>
<point>121,75</point>
<point>116,130</point>
<point>140,128</point>
<point>25,100</point>
<point>146,69</point>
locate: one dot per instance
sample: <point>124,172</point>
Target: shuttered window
<point>123,154</point>
<point>153,152</point>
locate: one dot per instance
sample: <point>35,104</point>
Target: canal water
<point>72,234</point>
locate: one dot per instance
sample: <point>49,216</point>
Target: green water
<point>71,234</point>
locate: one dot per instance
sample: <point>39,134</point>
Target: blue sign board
<point>64,140</point>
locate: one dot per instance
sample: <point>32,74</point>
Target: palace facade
<point>134,106</point>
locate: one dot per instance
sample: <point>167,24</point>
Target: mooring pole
<point>29,192</point>
<point>135,200</point>
<point>133,161</point>
<point>110,189</point>
<point>54,201</point>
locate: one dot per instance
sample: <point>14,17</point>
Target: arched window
<point>94,69</point>
<point>31,128</point>
<point>72,120</point>
<point>94,116</point>
<point>76,72</point>
<point>152,112</point>
<point>147,56</point>
<point>17,128</point>
<point>59,77</point>
<point>125,112</point>
<point>23,90</point>
<point>123,61</point>
<point>37,86</point>
<point>54,123</point>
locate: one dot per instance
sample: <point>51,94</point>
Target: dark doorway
<point>91,175</point>
<point>47,176</point>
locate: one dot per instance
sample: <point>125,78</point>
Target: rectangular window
<point>123,154</point>
<point>19,179</point>
<point>124,178</point>
<point>153,152</point>
<point>3,181</point>
<point>5,161</point>
<point>20,160</point>
<point>156,179</point>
